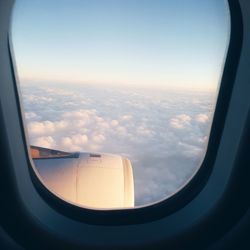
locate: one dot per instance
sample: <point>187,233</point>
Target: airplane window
<point>118,96</point>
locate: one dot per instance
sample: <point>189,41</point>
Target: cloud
<point>58,91</point>
<point>180,121</point>
<point>31,115</point>
<point>144,131</point>
<point>46,127</point>
<point>73,143</point>
<point>114,123</point>
<point>36,98</point>
<point>126,117</point>
<point>47,142</point>
<point>164,134</point>
<point>202,118</point>
<point>99,138</point>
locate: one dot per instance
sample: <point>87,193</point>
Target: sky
<point>133,42</point>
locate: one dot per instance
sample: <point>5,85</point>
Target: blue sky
<point>133,42</point>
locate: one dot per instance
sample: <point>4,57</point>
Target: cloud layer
<point>163,133</point>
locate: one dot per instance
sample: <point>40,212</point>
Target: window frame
<point>57,221</point>
<point>170,204</point>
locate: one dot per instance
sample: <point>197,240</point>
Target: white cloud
<point>114,123</point>
<point>58,91</point>
<point>40,128</point>
<point>180,121</point>
<point>144,131</point>
<point>202,118</point>
<point>36,99</point>
<point>99,138</point>
<point>47,142</point>
<point>30,115</point>
<point>79,139</point>
<point>164,135</point>
<point>46,127</point>
<point>74,143</point>
<point>121,131</point>
<point>126,117</point>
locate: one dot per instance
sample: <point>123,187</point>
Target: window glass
<point>118,96</point>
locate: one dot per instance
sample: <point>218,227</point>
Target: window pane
<point>119,96</point>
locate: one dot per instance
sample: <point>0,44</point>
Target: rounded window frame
<point>166,207</point>
<point>186,227</point>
